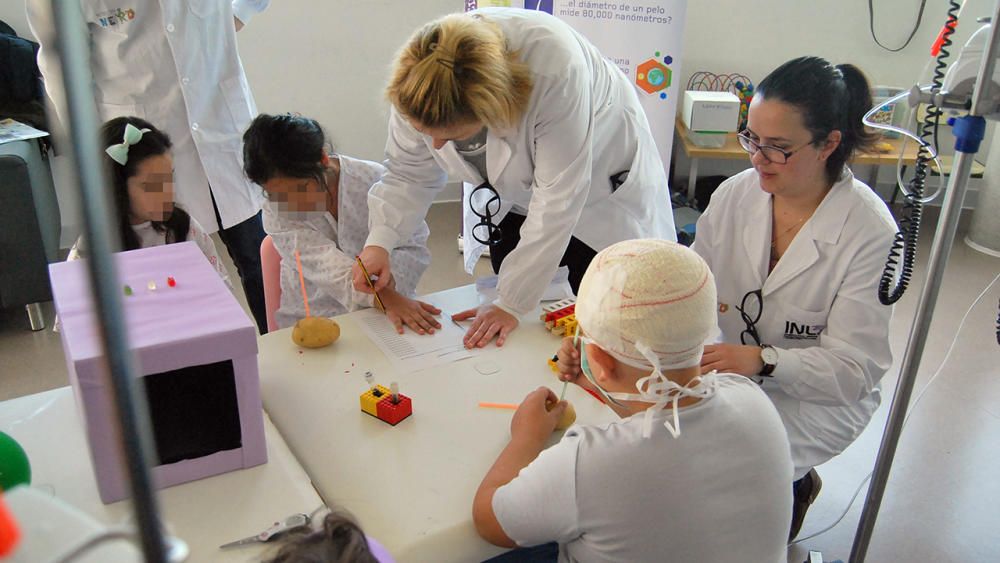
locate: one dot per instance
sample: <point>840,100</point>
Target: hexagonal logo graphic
<point>653,75</point>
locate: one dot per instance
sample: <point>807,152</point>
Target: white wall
<point>329,59</point>
<point>755,36</point>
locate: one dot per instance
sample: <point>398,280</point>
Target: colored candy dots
<point>171,281</point>
<point>128,290</point>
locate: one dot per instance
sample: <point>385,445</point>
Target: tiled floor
<point>943,498</point>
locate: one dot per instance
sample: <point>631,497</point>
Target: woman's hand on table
<point>732,358</point>
<point>488,321</point>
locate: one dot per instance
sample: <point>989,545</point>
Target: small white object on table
<point>410,485</point>
<point>204,514</point>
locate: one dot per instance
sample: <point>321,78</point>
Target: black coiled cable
<point>904,247</point>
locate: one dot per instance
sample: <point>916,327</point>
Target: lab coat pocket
<point>633,193</point>
<point>203,8</point>
<point>801,327</point>
<point>237,97</point>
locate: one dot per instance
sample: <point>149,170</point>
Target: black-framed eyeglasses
<point>751,308</point>
<point>486,231</point>
<point>771,153</point>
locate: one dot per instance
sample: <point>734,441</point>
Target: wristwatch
<point>769,356</point>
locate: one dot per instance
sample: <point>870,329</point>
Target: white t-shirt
<point>720,492</point>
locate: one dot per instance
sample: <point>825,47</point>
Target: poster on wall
<point>643,37</point>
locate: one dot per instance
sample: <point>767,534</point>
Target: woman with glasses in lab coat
<point>797,245</point>
<point>521,105</point>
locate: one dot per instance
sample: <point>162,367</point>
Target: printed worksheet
<point>412,351</point>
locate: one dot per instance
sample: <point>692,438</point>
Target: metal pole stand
<point>968,132</point>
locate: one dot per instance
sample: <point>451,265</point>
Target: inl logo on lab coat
<point>795,331</point>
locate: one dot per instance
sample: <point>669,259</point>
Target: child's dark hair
<point>284,145</point>
<point>339,541</point>
<point>154,143</point>
<point>829,98</point>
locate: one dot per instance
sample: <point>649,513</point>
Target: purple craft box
<point>196,351</point>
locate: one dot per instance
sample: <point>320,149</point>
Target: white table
<point>410,486</point>
<point>205,513</point>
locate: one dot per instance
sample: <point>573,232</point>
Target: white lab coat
<point>583,124</point>
<point>175,64</point>
<point>327,248</point>
<point>820,305</point>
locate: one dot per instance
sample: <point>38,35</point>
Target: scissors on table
<point>293,522</point>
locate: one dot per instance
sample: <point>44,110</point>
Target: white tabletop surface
<point>410,486</point>
<point>205,513</point>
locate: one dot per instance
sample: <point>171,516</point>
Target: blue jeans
<point>243,243</point>
<point>545,553</point>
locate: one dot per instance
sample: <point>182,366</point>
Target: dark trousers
<point>577,256</point>
<point>545,553</point>
<point>243,244</point>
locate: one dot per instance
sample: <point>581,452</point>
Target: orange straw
<point>511,406</point>
<point>302,281</point>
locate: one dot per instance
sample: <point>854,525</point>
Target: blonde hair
<point>457,70</point>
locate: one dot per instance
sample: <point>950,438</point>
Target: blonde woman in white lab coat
<point>318,205</point>
<point>797,245</point>
<point>175,63</point>
<point>520,104</point>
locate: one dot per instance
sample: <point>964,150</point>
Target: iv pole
<point>968,132</point>
<point>133,425</point>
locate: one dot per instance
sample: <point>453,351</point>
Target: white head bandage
<point>650,304</point>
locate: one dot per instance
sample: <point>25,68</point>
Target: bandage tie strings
<point>131,136</point>
<point>486,231</point>
<point>657,389</point>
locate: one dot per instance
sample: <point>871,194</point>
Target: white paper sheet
<point>412,351</point>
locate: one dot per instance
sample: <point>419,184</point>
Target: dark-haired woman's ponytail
<point>859,101</point>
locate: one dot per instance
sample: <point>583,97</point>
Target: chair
<point>29,239</point>
<point>270,266</point>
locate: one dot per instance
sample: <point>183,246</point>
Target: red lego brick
<point>394,412</point>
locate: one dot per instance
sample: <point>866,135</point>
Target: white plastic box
<point>709,116</point>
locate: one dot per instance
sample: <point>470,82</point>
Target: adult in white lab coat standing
<point>175,64</point>
<point>521,105</point>
<point>797,245</point>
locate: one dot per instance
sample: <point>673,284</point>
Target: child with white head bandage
<point>698,469</point>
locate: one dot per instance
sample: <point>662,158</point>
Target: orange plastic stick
<point>511,406</point>
<point>302,281</point>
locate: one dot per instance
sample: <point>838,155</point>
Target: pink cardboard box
<point>197,356</point>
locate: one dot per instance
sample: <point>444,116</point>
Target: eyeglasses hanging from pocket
<point>486,231</point>
<point>618,179</point>
<point>751,308</point>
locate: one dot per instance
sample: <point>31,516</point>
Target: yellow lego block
<point>371,397</point>
<point>564,326</point>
